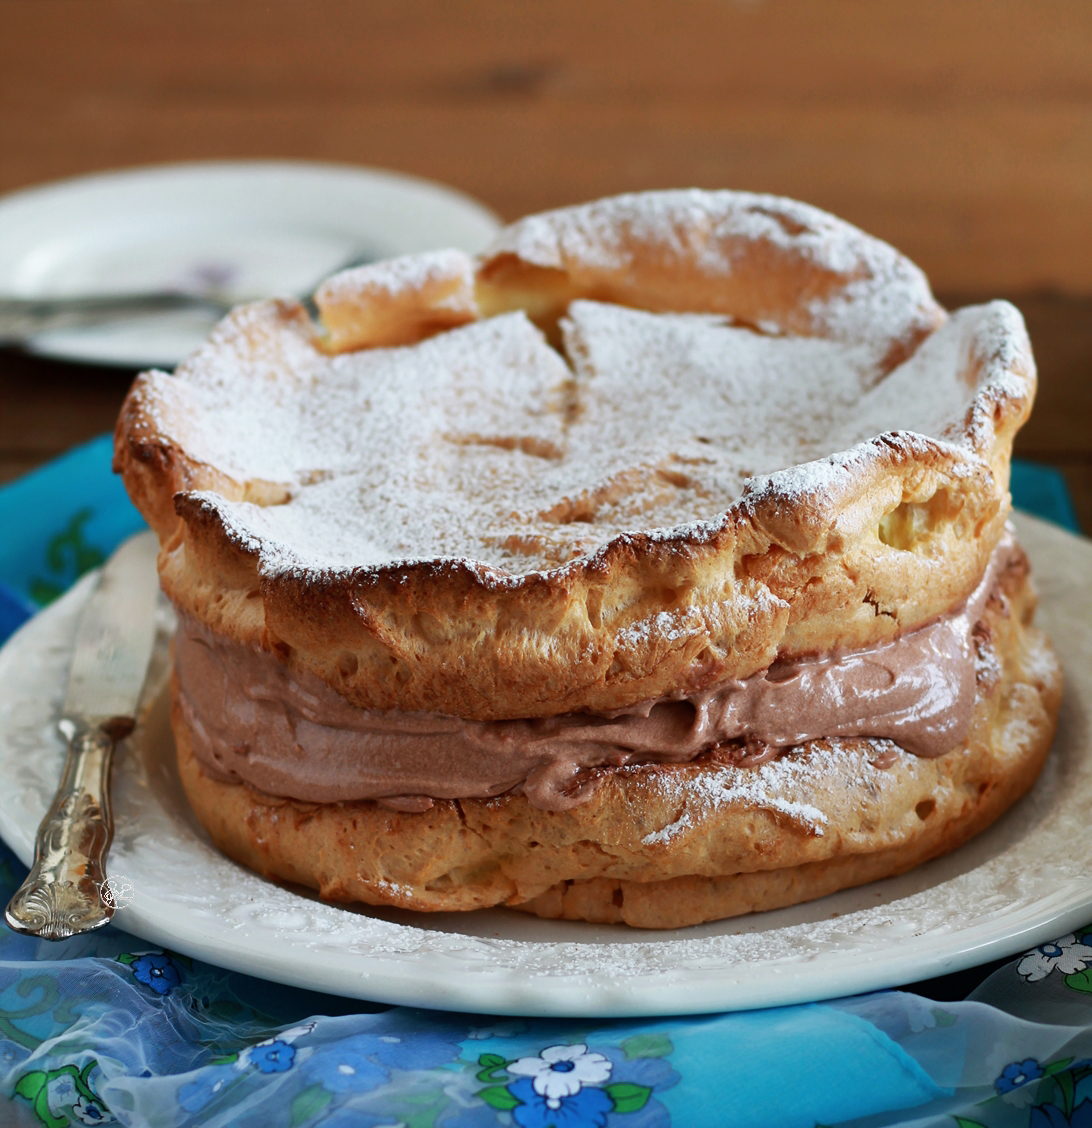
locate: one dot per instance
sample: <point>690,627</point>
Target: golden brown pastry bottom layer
<point>662,846</point>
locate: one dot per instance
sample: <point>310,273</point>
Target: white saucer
<point>1024,881</point>
<point>254,228</point>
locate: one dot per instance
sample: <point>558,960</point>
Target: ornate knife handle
<point>62,895</point>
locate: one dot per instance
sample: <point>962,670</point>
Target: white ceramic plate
<point>1026,880</point>
<point>252,228</point>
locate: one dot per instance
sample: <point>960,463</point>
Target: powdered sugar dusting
<point>665,625</point>
<point>785,785</point>
<point>658,837</point>
<point>933,394</point>
<point>710,403</point>
<point>485,444</point>
<point>884,297</point>
<point>402,275</point>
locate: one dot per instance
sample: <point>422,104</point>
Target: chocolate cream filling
<point>287,733</point>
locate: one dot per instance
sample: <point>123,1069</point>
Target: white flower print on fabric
<point>920,1013</point>
<point>1066,955</point>
<point>1020,1097</point>
<point>562,1071</point>
<point>61,1093</point>
<point>91,1112</point>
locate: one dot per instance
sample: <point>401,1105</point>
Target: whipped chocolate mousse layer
<point>287,733</point>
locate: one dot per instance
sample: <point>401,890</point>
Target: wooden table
<point>960,130</point>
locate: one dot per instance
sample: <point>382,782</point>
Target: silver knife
<point>21,318</point>
<point>63,893</point>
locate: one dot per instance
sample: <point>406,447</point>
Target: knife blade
<point>63,893</point>
<point>22,318</point>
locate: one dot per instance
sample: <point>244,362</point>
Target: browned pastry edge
<point>892,534</point>
<point>593,863</point>
<point>792,265</point>
<point>897,535</point>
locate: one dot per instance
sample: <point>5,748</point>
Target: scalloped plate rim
<point>501,962</point>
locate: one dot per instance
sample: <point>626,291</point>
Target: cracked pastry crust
<point>667,846</point>
<point>656,569</point>
<point>634,450</point>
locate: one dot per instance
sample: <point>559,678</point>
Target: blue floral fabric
<point>103,1029</point>
<point>100,1030</point>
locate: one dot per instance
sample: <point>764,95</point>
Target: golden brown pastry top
<point>642,445</point>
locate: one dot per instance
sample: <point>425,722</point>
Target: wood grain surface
<point>959,130</point>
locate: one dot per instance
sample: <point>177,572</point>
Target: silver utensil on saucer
<point>66,891</point>
<point>21,318</point>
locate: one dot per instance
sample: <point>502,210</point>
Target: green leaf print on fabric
<point>68,556</point>
<point>628,1097</point>
<point>498,1097</point>
<point>430,1102</point>
<point>308,1103</point>
<point>64,1095</point>
<point>1080,981</point>
<point>490,1063</point>
<point>647,1046</point>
